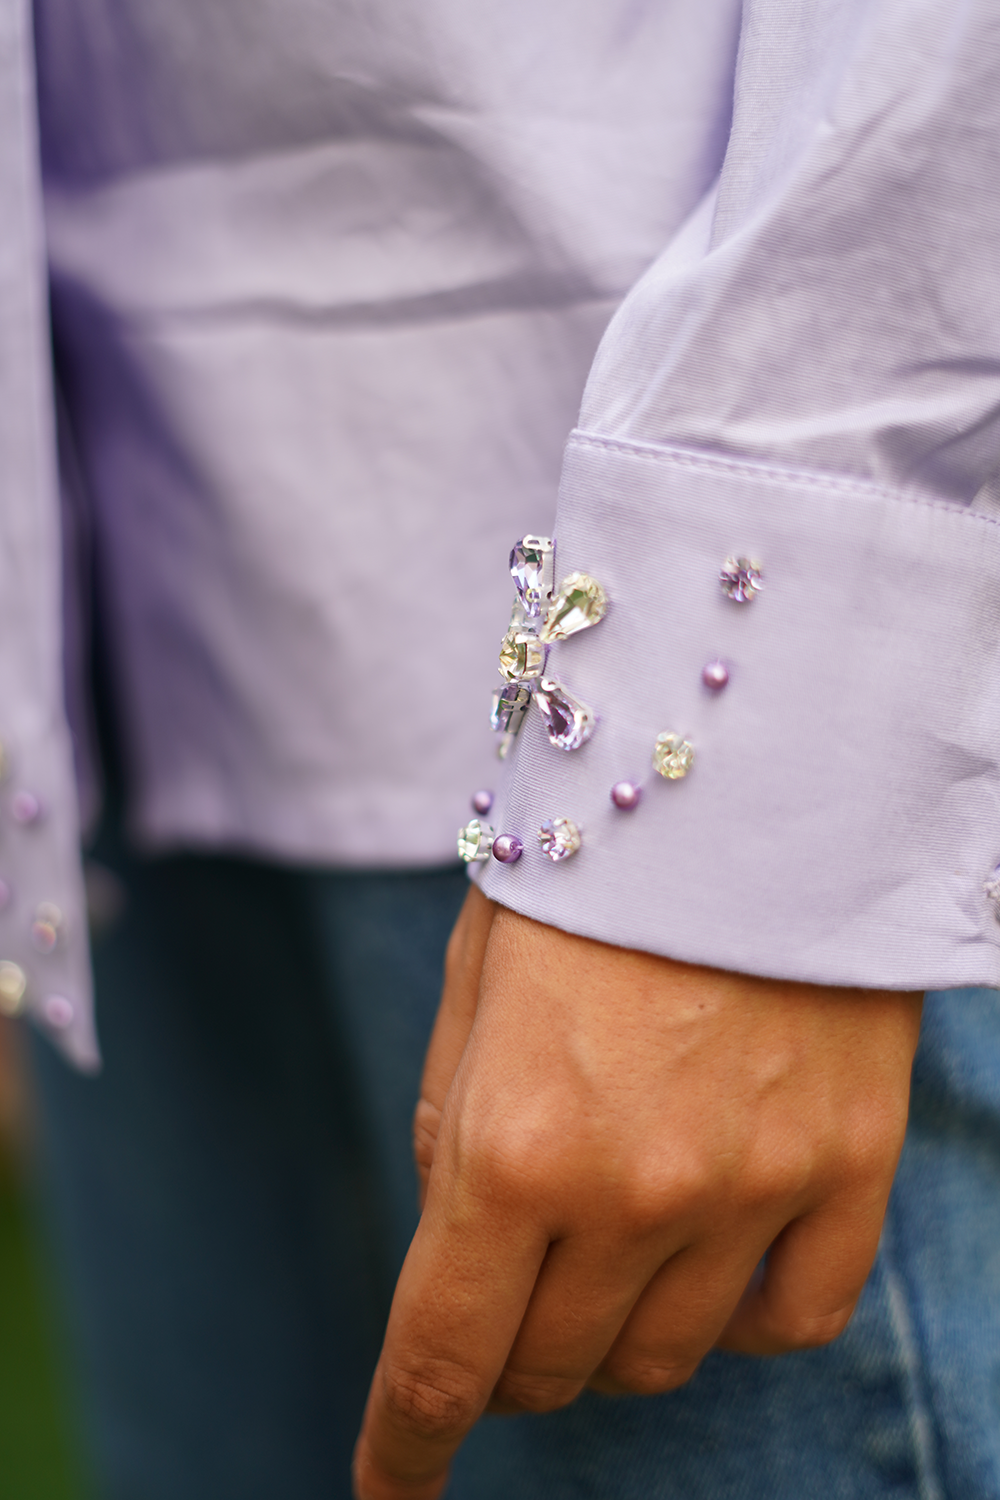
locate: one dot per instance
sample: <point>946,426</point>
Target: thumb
<point>462,967</point>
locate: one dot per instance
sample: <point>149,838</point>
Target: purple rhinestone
<point>715,675</point>
<point>482,801</point>
<point>25,808</point>
<point>58,1011</point>
<point>626,795</point>
<point>507,847</point>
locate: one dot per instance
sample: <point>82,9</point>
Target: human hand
<point>611,1142</point>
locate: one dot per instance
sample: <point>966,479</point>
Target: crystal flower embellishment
<point>580,603</point>
<point>569,723</point>
<point>537,620</point>
<point>741,579</point>
<point>475,841</point>
<point>673,756</point>
<point>559,838</point>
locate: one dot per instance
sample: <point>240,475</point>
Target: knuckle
<point>520,1159</point>
<point>778,1177</point>
<point>650,1193</point>
<point>811,1332</point>
<point>645,1202</point>
<point>439,1400</point>
<point>519,1391</point>
<point>646,1376</point>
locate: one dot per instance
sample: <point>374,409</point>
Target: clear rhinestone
<point>44,937</point>
<point>580,602</point>
<point>46,927</point>
<point>673,756</point>
<point>521,655</point>
<point>559,838</point>
<point>13,983</point>
<point>568,722</point>
<point>510,704</point>
<point>531,562</point>
<point>505,745</point>
<point>475,841</point>
<point>741,579</point>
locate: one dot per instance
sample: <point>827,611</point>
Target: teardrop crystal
<point>531,563</point>
<point>580,603</point>
<point>569,722</point>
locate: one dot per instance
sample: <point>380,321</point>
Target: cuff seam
<point>662,453</point>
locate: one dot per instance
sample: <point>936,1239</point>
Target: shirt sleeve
<point>44,963</point>
<point>805,384</point>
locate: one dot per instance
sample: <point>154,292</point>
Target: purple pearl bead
<point>507,847</point>
<point>715,675</point>
<point>58,1011</point>
<point>482,801</point>
<point>626,795</point>
<point>25,808</point>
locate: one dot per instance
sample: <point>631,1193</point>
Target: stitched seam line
<point>680,458</point>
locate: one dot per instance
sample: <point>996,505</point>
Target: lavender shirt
<point>327,285</point>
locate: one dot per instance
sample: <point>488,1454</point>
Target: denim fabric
<point>228,1263</point>
<point>233,1194</point>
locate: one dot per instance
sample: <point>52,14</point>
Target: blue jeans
<point>232,1197</point>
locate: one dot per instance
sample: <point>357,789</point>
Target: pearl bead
<point>482,801</point>
<point>25,808</point>
<point>58,1011</point>
<point>507,848</point>
<point>626,795</point>
<point>715,675</point>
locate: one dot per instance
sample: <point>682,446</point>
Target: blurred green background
<point>38,1454</point>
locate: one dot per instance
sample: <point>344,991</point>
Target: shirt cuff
<point>841,819</point>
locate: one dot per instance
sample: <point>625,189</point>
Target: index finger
<point>459,1302</point>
